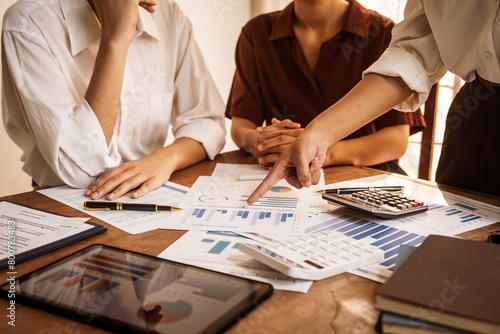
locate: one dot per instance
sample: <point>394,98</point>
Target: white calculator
<point>380,203</point>
<point>316,255</point>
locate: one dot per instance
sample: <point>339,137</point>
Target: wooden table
<point>340,304</point>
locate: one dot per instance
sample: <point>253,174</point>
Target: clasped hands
<point>274,139</point>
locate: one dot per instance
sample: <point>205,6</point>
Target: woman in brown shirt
<point>295,63</point>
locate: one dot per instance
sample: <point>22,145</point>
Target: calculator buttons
<point>379,203</point>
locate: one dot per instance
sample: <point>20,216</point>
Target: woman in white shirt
<point>90,88</point>
<point>460,36</point>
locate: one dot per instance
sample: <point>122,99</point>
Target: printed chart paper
<point>448,214</point>
<point>212,205</point>
<point>227,173</point>
<point>133,222</point>
<point>219,251</point>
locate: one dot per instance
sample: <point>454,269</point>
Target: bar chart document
<point>214,205</point>
<point>448,214</point>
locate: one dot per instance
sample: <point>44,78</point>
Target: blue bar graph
<point>371,232</point>
<point>464,206</point>
<point>223,234</point>
<point>175,189</point>
<point>448,211</point>
<point>274,202</point>
<point>382,236</point>
<point>452,212</point>
<point>201,213</point>
<point>219,247</point>
<point>389,238</point>
<point>326,224</point>
<point>362,228</point>
<point>238,217</point>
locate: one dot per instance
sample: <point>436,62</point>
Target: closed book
<point>447,281</point>
<point>391,323</point>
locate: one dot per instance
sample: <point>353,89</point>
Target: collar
<point>84,28</point>
<point>283,23</point>
<point>357,21</point>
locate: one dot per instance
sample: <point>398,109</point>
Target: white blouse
<point>438,35</point>
<point>49,51</point>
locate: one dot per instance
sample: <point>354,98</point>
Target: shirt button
<point>487,55</point>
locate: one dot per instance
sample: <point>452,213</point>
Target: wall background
<point>12,178</point>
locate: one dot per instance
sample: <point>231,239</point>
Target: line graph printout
<point>133,222</point>
<point>214,205</point>
<point>219,251</point>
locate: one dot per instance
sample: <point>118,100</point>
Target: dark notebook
<point>447,281</point>
<point>54,244</point>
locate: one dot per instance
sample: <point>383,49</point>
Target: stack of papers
<point>218,218</point>
<point>26,229</point>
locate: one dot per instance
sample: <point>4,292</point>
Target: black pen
<point>107,206</point>
<point>339,191</point>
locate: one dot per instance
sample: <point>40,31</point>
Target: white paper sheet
<point>133,222</point>
<point>29,228</point>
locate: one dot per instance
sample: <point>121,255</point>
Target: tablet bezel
<point>223,322</point>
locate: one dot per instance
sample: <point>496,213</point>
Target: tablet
<point>132,292</point>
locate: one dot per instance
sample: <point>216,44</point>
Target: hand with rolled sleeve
<point>301,163</point>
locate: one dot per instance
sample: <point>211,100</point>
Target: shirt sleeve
<point>245,99</point>
<point>41,103</point>
<point>412,55</point>
<point>198,109</point>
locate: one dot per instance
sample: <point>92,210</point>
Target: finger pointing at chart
<point>300,165</point>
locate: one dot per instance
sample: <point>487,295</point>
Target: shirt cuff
<point>87,148</point>
<point>396,62</point>
<point>207,132</point>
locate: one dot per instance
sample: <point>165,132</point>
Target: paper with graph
<point>214,205</point>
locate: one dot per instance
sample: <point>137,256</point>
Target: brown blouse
<point>273,78</point>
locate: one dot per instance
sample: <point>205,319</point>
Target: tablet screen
<point>122,289</point>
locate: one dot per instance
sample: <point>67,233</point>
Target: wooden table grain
<point>339,304</point>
